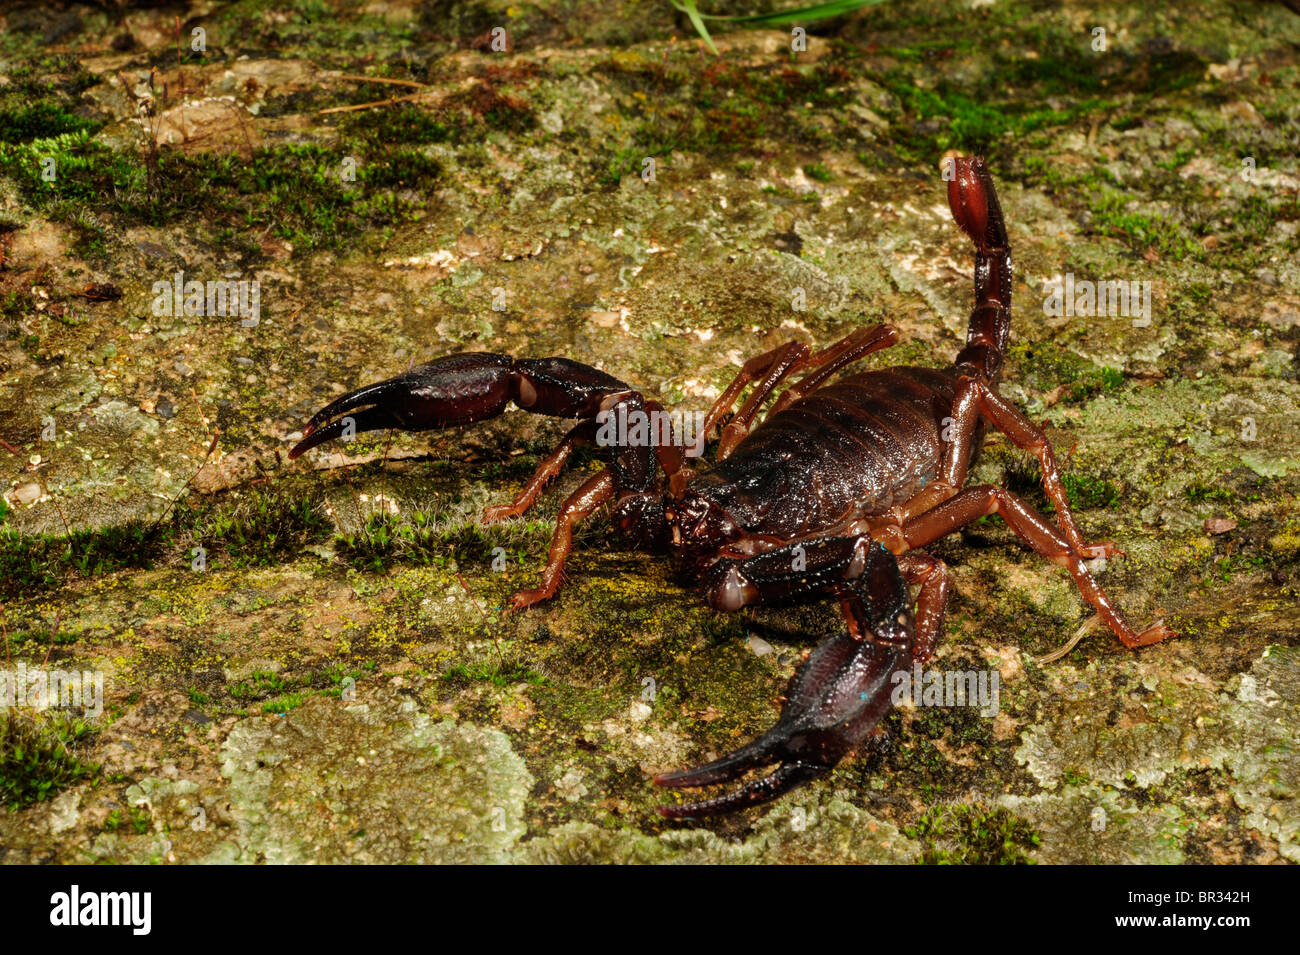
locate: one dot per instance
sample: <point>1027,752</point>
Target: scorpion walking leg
<point>831,359</point>
<point>841,691</point>
<point>820,366</point>
<point>1040,534</point>
<point>931,575</point>
<point>788,358</point>
<point>974,399</point>
<point>1027,436</point>
<point>584,432</point>
<point>760,365</point>
<point>595,492</point>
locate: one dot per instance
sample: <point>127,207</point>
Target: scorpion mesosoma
<point>828,497</point>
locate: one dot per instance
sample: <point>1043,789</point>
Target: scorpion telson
<point>827,498</point>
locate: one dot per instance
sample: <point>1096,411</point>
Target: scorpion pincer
<point>829,497</point>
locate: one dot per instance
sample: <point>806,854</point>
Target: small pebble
<point>26,493</point>
<point>1219,525</point>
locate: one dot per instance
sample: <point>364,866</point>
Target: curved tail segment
<point>975,207</point>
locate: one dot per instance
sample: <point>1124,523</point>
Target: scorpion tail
<point>975,207</point>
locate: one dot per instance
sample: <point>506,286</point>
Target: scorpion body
<point>828,497</point>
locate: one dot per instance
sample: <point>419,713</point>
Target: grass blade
<point>688,7</point>
<point>817,11</point>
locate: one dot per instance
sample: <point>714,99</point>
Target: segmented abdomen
<point>851,449</point>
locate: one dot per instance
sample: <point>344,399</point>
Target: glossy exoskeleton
<point>828,497</point>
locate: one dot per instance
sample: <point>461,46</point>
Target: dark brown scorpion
<point>828,497</point>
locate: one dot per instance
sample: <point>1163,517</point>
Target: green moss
<point>41,120</point>
<point>497,673</point>
<point>46,75</point>
<point>141,820</point>
<point>297,192</point>
<point>405,124</point>
<point>197,698</point>
<point>1086,491</point>
<point>31,563</point>
<point>1075,777</point>
<point>721,109</point>
<point>290,701</point>
<point>417,538</point>
<point>44,636</point>
<point>258,529</point>
<point>1198,493</point>
<point>973,835</point>
<point>953,118</point>
<point>38,759</point>
<point>818,171</point>
<point>1112,216</point>
<point>1047,369</point>
<point>259,686</point>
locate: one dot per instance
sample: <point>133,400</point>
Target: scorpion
<point>829,497</point>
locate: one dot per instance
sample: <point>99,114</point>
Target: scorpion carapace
<point>828,497</point>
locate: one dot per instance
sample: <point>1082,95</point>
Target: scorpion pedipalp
<point>833,703</point>
<point>839,694</point>
<point>456,390</point>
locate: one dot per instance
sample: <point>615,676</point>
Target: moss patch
<point>38,758</point>
<point>974,835</point>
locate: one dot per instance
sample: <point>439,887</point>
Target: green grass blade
<point>818,11</point>
<point>688,7</point>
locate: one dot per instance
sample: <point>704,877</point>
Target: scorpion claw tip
<point>786,777</point>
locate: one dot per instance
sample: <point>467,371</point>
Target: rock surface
<point>308,661</point>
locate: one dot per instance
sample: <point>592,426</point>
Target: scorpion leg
<point>789,359</point>
<point>930,575</point>
<point>1027,436</point>
<point>975,401</point>
<point>974,503</point>
<point>596,491</point>
<point>857,345</point>
<point>582,433</point>
<point>841,691</point>
<point>749,372</point>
